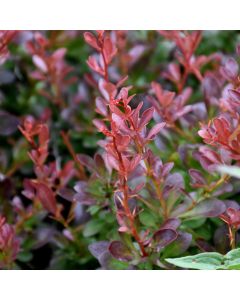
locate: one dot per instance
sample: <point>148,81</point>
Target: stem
<point>218,183</point>
<point>232,237</point>
<point>69,146</point>
<point>126,207</point>
<point>105,65</point>
<point>141,151</point>
<point>183,133</point>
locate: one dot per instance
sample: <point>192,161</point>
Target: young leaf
<point>46,197</point>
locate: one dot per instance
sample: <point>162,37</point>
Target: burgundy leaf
<point>197,177</point>
<point>164,237</point>
<point>171,223</point>
<point>120,251</point>
<point>179,246</point>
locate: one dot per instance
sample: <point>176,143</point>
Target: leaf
<point>66,193</point>
<point>197,177</point>
<point>25,256</point>
<point>230,170</point>
<point>235,95</point>
<point>207,208</point>
<point>109,49</point>
<point>203,261</point>
<point>155,130</point>
<point>8,123</point>
<point>92,227</point>
<point>120,251</point>
<point>179,246</point>
<point>91,40</point>
<point>230,69</point>
<point>59,54</point>
<point>209,261</point>
<point>194,223</point>
<point>46,197</point>
<point>40,63</point>
<point>233,254</point>
<point>163,237</point>
<point>87,161</point>
<point>148,219</point>
<point>146,117</point>
<point>98,248</point>
<point>232,260</point>
<point>171,223</point>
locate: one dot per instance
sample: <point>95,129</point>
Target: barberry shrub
<point>119,150</point>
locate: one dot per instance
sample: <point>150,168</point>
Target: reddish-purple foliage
<point>113,167</point>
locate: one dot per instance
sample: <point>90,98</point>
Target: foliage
<point>117,149</point>
<point>209,261</point>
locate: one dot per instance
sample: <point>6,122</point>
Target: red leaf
<point>93,64</point>
<point>146,117</point>
<point>155,130</point>
<point>101,106</point>
<point>91,40</point>
<point>46,197</point>
<point>171,223</point>
<point>109,50</point>
<point>43,135</point>
<point>59,54</point>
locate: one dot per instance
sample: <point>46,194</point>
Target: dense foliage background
<point>91,177</point>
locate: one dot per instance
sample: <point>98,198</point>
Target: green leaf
<point>230,170</point>
<point>92,227</point>
<point>147,219</point>
<point>93,209</point>
<point>232,260</point>
<point>209,261</point>
<point>194,223</point>
<point>203,261</point>
<point>179,246</point>
<point>25,256</point>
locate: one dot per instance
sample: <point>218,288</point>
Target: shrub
<point>117,150</point>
